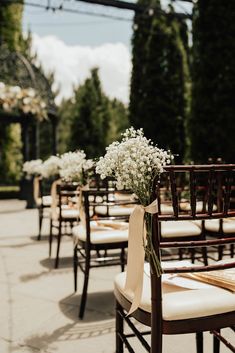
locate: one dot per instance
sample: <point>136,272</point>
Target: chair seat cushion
<point>46,201</point>
<point>185,206</point>
<point>100,234</point>
<point>177,229</point>
<point>182,303</point>
<point>66,213</point>
<point>212,225</point>
<point>114,210</point>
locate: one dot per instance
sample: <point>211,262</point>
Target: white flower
<point>32,167</point>
<point>73,165</point>
<point>14,98</point>
<point>133,162</point>
<point>50,167</point>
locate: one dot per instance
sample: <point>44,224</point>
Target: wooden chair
<point>186,230</point>
<point>166,307</point>
<point>96,235</point>
<point>64,213</point>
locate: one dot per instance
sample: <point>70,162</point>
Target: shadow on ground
<point>98,321</point>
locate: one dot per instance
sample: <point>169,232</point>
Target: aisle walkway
<point>38,309</point>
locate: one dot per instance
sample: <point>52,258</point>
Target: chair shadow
<point>65,262</point>
<point>99,307</point>
<point>98,321</point>
<point>44,238</point>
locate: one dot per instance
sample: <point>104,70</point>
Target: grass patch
<point>9,188</point>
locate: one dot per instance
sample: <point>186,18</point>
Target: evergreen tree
<point>118,120</point>
<point>161,104</point>
<point>141,33</point>
<point>213,104</point>
<point>11,24</point>
<point>90,119</point>
<point>10,144</point>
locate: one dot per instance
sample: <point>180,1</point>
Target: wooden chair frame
<point>64,191</point>
<point>83,250</point>
<point>154,320</point>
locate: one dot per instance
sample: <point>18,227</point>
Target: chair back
<point>211,183</point>
<point>103,197</point>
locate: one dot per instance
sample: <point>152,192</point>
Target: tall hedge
<point>11,24</point>
<point>10,144</point>
<point>158,100</point>
<point>213,100</point>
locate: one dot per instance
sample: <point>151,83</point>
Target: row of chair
<point>186,215</point>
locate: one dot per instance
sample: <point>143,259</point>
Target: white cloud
<point>71,65</point>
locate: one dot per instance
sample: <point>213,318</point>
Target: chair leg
<point>220,252</point>
<point>75,267</point>
<point>122,259</point>
<point>232,250</point>
<point>119,329</point>
<point>199,342</point>
<point>192,255</point>
<point>40,223</point>
<point>216,344</point>
<point>50,238</point>
<point>58,247</point>
<point>85,286</point>
<point>204,255</point>
<point>180,254</point>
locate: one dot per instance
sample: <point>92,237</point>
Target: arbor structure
<point>160,78</point>
<point>213,105</point>
<point>18,72</point>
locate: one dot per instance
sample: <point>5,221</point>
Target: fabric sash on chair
<point>54,198</point>
<point>136,252</point>
<point>36,189</point>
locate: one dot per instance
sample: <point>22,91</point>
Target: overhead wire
<point>61,7</point>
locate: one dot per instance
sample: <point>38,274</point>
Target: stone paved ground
<point>38,309</point>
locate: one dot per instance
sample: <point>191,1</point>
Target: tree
<point>118,120</point>
<point>160,95</point>
<point>90,117</point>
<point>213,105</point>
<point>11,24</point>
<point>90,120</point>
<point>10,145</point>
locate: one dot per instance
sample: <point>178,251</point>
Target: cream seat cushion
<point>185,206</point>
<point>100,234</point>
<point>45,200</point>
<point>181,303</point>
<point>172,229</point>
<point>66,213</point>
<point>114,210</point>
<point>213,225</point>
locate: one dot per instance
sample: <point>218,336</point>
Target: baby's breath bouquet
<point>33,167</point>
<point>50,167</point>
<point>135,162</point>
<point>74,166</point>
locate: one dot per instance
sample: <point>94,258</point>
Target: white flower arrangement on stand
<point>51,167</point>
<point>33,167</point>
<point>135,163</point>
<point>24,100</point>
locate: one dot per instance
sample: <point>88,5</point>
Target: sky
<point>71,43</point>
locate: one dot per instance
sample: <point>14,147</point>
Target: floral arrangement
<point>74,166</point>
<point>26,100</point>
<point>135,162</point>
<point>51,167</point>
<point>32,167</point>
